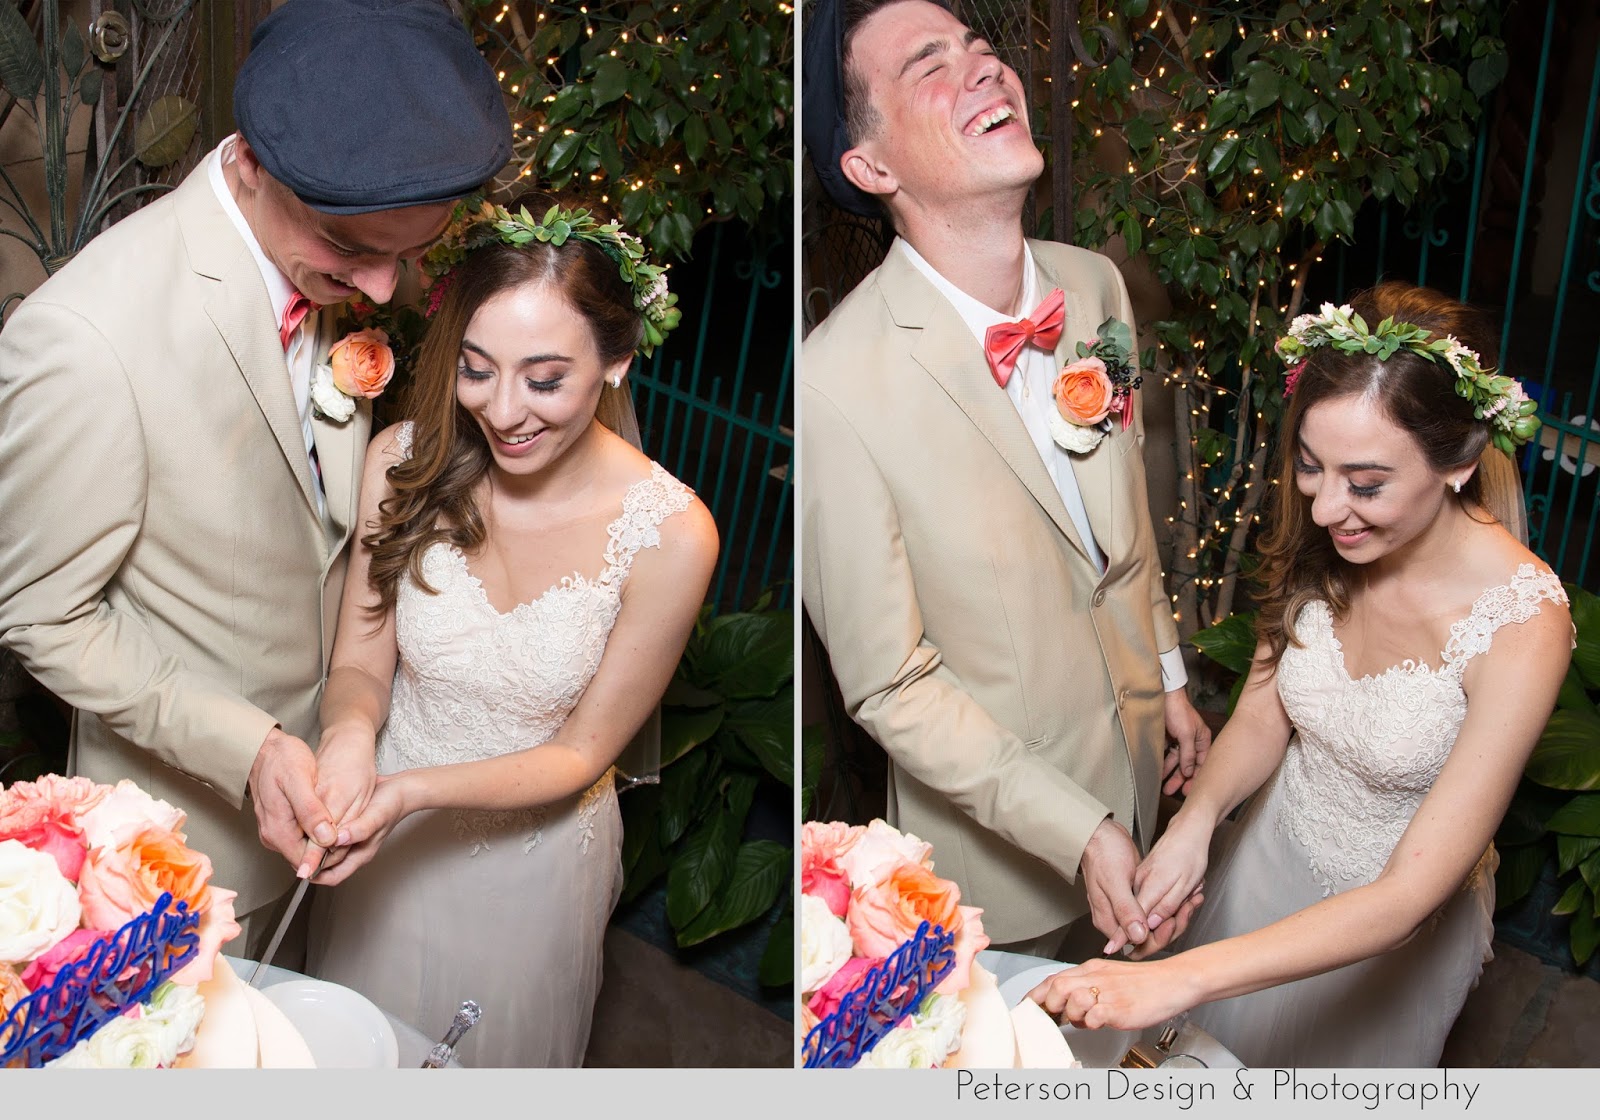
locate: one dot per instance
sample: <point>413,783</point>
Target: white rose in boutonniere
<point>359,365</point>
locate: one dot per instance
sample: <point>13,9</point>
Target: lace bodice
<point>1367,751</point>
<point>473,683</point>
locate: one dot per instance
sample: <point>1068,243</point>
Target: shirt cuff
<point>1173,675</point>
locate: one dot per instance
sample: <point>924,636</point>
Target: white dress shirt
<point>302,344</point>
<point>1029,390</point>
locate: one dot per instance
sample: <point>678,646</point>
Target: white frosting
<point>987,1040</point>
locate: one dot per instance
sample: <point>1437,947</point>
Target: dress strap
<point>648,503</point>
<point>402,439</point>
<point>1513,602</point>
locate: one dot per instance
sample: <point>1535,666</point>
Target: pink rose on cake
<point>880,847</point>
<point>123,810</point>
<point>885,914</point>
<point>821,848</point>
<point>47,816</point>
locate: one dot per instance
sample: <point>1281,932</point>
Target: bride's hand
<point>347,773</point>
<point>1168,880</point>
<point>387,807</point>
<point>1117,994</point>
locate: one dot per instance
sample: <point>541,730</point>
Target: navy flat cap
<point>363,105</point>
<point>822,107</point>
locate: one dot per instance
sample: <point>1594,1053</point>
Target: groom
<point>992,606</point>
<point>173,511</point>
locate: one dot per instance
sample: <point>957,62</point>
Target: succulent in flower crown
<point>476,222</point>
<point>1495,398</point>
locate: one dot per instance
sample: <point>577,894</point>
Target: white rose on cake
<point>38,905</point>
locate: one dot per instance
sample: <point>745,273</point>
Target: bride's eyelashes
<point>550,385</point>
<point>1301,467</point>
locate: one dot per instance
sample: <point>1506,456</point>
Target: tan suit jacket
<point>1017,692</point>
<point>163,567</point>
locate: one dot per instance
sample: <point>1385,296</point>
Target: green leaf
<point>1295,197</point>
<point>1487,72</point>
<point>21,67</point>
<point>1231,643</point>
<point>1568,753</point>
<point>1578,817</point>
<point>747,655</point>
<point>1223,153</point>
<point>1261,91</point>
<point>1344,131</point>
<point>1573,850</point>
<point>777,960</point>
<point>632,208</point>
<point>702,866</point>
<point>90,84</point>
<point>1585,936</point>
<point>1586,618</point>
<point>1574,894</point>
<point>1589,869</point>
<point>610,81</point>
<point>681,798</point>
<point>563,150</point>
<point>683,729</point>
<point>1518,872</point>
<point>567,103</point>
<point>1573,696</point>
<point>610,157</point>
<point>766,728</point>
<point>760,871</point>
<point>1523,824</point>
<point>694,138</point>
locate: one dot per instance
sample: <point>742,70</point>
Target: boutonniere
<point>1096,386</point>
<point>359,365</point>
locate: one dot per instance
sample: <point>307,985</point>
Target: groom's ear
<point>250,169</point>
<point>863,167</point>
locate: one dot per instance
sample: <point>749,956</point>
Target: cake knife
<point>283,923</point>
<point>440,1055</point>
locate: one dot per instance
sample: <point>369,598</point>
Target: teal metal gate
<point>724,424</point>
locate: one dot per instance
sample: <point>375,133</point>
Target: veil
<point>640,761</point>
<point>1500,485</point>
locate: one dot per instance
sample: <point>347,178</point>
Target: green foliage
<point>727,725</point>
<point>1544,823</point>
<point>1239,140</point>
<point>678,114</point>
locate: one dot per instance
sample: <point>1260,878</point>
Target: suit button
<point>1122,698</point>
<point>1099,598</point>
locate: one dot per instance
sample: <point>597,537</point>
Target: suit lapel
<point>338,446</point>
<point>945,348</point>
<point>241,311</point>
<point>1095,471</point>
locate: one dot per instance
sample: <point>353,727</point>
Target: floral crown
<point>476,222</point>
<point>1496,399</point>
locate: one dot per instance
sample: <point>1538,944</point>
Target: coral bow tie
<point>1003,342</point>
<point>294,313</point>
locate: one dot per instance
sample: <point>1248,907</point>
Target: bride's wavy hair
<point>433,497</point>
<point>1298,560</point>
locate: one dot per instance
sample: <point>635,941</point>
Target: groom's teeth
<point>990,119</point>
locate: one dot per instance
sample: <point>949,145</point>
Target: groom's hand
<point>1109,861</point>
<point>283,787</point>
<point>1191,740</point>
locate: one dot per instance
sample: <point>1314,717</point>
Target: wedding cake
<point>888,975</point>
<point>110,939</point>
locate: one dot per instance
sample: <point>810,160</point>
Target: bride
<point>525,586</point>
<point>1410,651</point>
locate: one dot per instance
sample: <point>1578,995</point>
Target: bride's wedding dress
<point>1364,754</point>
<point>505,908</point>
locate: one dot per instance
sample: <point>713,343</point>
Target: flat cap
<point>822,124</point>
<point>363,105</point>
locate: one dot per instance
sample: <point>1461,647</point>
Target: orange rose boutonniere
<point>359,365</point>
<point>1092,389</point>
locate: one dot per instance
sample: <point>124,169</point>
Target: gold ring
<point>1095,992</point>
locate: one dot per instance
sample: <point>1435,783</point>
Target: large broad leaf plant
<point>727,741</point>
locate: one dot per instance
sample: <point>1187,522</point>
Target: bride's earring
<point>616,383</point>
<point>1456,486</point>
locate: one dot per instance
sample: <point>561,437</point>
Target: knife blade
<point>283,923</point>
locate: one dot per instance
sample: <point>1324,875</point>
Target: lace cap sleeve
<point>1513,602</point>
<point>648,503</point>
<point>402,439</point>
